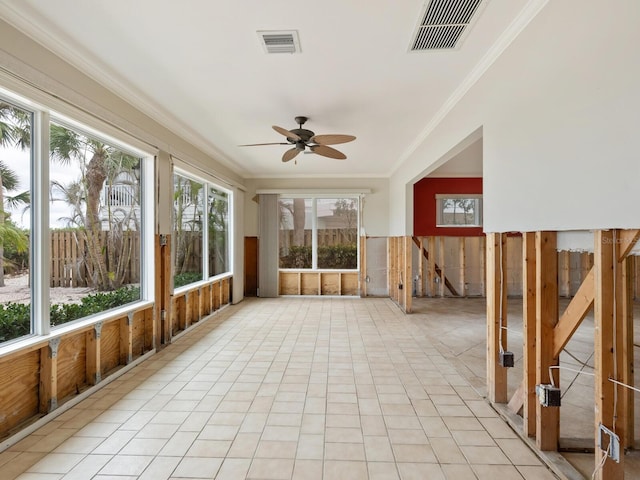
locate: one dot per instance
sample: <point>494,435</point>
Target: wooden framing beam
<point>575,312</point>
<point>126,339</point>
<point>49,376</point>
<point>462,261</point>
<point>93,370</point>
<point>624,325</point>
<point>496,316</point>
<point>421,260</point>
<point>547,418</point>
<point>627,239</point>
<point>434,269</point>
<point>528,387</point>
<point>443,277</point>
<point>407,273</point>
<point>607,354</point>
<point>431,270</point>
<point>363,267</point>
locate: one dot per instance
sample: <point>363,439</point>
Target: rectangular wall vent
<point>279,41</point>
<point>443,24</point>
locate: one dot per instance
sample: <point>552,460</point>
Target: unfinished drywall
<point>558,111</point>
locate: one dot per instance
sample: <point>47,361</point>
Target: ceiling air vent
<point>280,41</point>
<point>443,23</point>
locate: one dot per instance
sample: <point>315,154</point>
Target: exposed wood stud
<point>496,316</point>
<point>48,390</point>
<point>573,315</point>
<point>421,260</point>
<point>441,261</point>
<point>408,268</point>
<point>94,374</point>
<point>607,355</point>
<point>547,418</point>
<point>126,339</point>
<point>529,332</point>
<point>625,325</point>
<point>462,262</point>
<point>431,270</point>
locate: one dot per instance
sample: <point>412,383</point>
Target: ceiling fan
<point>301,139</point>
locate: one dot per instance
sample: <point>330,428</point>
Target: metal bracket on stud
<point>54,343</point>
<point>97,328</point>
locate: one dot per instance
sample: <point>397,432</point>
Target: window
<point>319,233</point>
<point>94,223</point>
<point>80,214</point>
<point>15,221</point>
<point>201,250</point>
<point>218,220</point>
<point>188,209</point>
<point>458,210</point>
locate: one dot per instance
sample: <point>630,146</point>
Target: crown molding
<point>55,40</point>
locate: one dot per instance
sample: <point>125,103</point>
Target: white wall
<point>560,110</point>
<point>375,217</point>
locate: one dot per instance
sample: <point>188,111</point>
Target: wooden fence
<point>68,257</point>
<point>326,236</point>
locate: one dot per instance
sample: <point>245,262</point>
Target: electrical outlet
<point>506,359</point>
<point>548,395</point>
<point>608,441</point>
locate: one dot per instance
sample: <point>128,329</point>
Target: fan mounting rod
<point>301,120</point>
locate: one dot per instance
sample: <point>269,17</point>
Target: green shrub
<point>329,256</point>
<point>186,278</point>
<point>15,317</point>
<point>338,257</point>
<point>14,321</point>
<point>298,257</point>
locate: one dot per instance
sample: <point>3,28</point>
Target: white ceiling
<point>197,66</point>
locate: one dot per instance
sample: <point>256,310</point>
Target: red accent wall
<point>424,205</point>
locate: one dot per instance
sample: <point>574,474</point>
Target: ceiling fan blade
<point>328,152</point>
<point>259,144</point>
<point>331,139</point>
<point>286,133</point>
<point>290,154</point>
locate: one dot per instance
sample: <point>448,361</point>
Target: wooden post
<point>529,331</point>
<point>420,283</point>
<point>49,376</point>
<point>126,339</point>
<point>408,268</point>
<point>483,265</point>
<point>547,418</point>
<point>431,270</point>
<point>624,301</point>
<point>94,374</point>
<point>607,355</point>
<point>162,329</point>
<point>363,268</point>
<point>442,270</point>
<point>565,277</point>
<point>462,258</point>
<point>496,316</point>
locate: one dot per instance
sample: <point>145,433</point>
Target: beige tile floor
<point>288,388</point>
<point>457,329</point>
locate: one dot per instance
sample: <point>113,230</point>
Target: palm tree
<point>106,269</point>
<point>15,130</point>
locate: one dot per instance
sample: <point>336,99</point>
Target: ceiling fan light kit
<point>301,139</point>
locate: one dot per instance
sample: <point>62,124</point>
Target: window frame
<point>314,228</point>
<point>206,278</point>
<point>478,217</point>
<point>45,110</point>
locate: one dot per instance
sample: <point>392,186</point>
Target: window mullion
<point>314,233</point>
<point>205,232</point>
<point>40,244</point>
